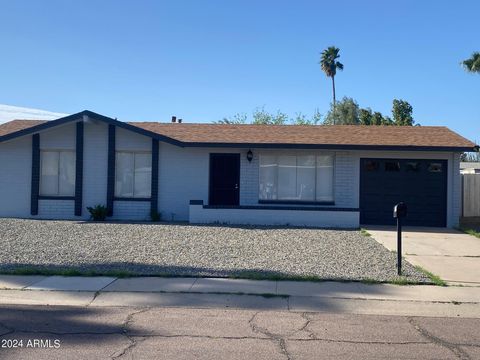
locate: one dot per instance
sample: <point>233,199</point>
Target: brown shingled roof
<point>429,136</point>
<point>337,135</point>
<point>17,125</point>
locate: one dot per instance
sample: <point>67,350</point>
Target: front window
<point>57,173</point>
<point>307,178</point>
<point>133,176</point>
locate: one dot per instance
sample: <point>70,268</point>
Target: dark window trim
<point>111,168</point>
<point>296,202</point>
<point>79,169</point>
<point>35,186</point>
<point>53,197</point>
<point>131,199</point>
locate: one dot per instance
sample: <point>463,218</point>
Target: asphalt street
<point>69,332</point>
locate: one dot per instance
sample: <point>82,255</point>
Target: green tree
<point>346,112</point>
<point>402,113</point>
<point>365,116</point>
<point>240,118</point>
<point>262,117</point>
<point>470,157</point>
<point>377,118</point>
<point>472,64</point>
<point>387,120</point>
<point>301,119</point>
<point>329,65</point>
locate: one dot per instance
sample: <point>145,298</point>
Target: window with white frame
<point>307,178</point>
<point>133,174</point>
<point>57,173</point>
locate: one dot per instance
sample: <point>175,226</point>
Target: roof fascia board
<point>329,146</point>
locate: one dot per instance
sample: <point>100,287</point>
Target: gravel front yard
<point>178,249</point>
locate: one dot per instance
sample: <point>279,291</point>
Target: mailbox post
<point>399,212</point>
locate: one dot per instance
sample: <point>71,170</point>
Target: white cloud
<point>8,113</point>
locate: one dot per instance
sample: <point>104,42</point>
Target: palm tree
<point>473,64</point>
<point>329,65</point>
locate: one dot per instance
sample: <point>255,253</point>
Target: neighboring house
<point>470,167</point>
<point>330,176</point>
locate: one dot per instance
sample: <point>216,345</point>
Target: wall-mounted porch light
<point>249,155</point>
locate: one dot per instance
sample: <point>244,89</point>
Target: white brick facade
<point>131,210</point>
<point>56,209</point>
<point>15,177</point>
<point>330,219</point>
<point>95,165</point>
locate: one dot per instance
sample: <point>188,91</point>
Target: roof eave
<point>330,146</point>
<point>91,115</point>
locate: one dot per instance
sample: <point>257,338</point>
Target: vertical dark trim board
<point>79,169</point>
<point>154,190</point>
<point>35,188</point>
<point>111,169</point>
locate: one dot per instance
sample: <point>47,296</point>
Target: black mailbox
<point>400,210</point>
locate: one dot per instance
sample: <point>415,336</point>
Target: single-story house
<point>327,176</point>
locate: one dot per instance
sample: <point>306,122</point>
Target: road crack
<point>305,328</point>
<point>454,348</point>
<point>276,338</point>
<point>133,340</point>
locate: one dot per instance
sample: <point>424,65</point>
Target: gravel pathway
<point>181,249</point>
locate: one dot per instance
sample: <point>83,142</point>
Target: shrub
<point>98,212</point>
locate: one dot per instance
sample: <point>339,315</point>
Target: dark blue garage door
<point>421,184</point>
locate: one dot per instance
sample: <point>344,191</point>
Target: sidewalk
<point>342,297</point>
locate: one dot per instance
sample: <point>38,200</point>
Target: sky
<point>205,60</point>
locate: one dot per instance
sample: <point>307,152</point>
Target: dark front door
<point>420,183</point>
<point>224,179</point>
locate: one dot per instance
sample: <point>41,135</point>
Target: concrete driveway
<point>448,253</point>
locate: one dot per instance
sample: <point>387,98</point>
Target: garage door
<point>421,184</point>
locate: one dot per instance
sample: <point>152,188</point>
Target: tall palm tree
<point>329,65</point>
<point>473,64</point>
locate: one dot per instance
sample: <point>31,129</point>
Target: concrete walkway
<point>448,253</point>
<point>352,297</point>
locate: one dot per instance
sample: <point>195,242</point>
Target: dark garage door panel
<point>423,190</point>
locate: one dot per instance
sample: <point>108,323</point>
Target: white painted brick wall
<point>344,190</point>
<point>332,219</point>
<point>56,209</point>
<point>249,172</point>
<point>15,177</point>
<point>95,165</point>
<point>131,210</point>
